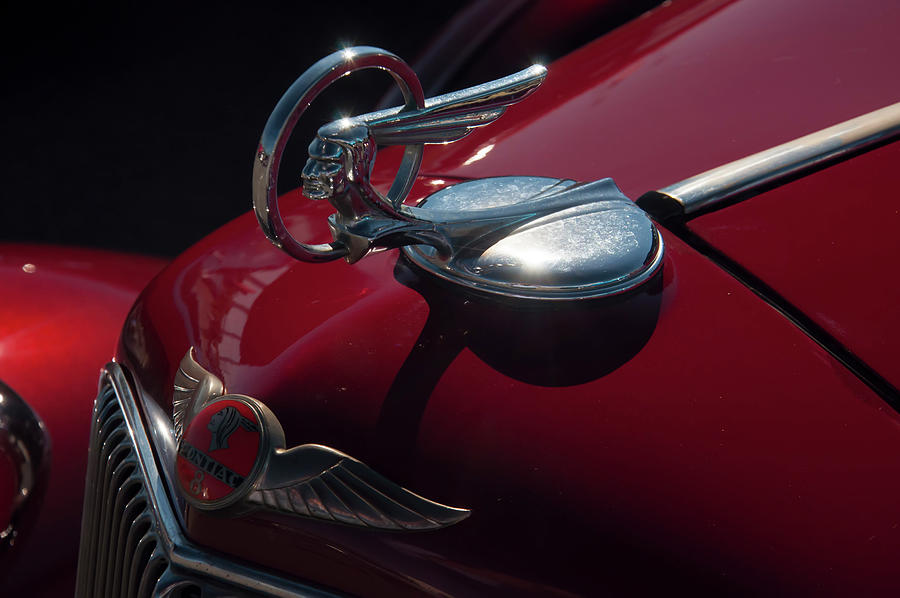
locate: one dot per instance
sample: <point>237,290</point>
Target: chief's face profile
<point>222,424</point>
<point>322,179</point>
<point>216,420</point>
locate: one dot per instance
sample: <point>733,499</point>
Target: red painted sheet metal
<point>690,86</point>
<point>687,436</point>
<point>231,297</point>
<point>689,430</point>
<point>60,315</point>
<point>828,244</point>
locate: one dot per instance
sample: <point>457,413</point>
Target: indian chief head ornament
<point>518,236</point>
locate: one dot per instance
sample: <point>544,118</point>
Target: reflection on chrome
<point>24,440</point>
<point>598,243</point>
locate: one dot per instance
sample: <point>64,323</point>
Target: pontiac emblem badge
<point>216,477</point>
<point>232,458</point>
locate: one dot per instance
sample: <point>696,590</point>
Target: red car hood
<point>826,245</point>
<point>719,81</point>
<point>687,435</point>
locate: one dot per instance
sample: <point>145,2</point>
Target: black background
<point>133,126</point>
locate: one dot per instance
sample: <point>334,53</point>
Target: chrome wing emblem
<point>232,458</point>
<point>193,388</point>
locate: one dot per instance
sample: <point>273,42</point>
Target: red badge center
<point>218,451</point>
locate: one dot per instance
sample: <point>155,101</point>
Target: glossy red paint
<point>685,436</point>
<point>726,469</point>
<point>58,325</point>
<point>690,86</point>
<point>223,297</point>
<point>823,242</point>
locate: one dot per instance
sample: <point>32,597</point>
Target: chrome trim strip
<point>793,157</point>
<point>24,437</point>
<point>180,551</point>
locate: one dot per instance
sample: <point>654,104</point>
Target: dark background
<point>133,126</point>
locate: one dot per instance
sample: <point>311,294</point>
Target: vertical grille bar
<point>119,554</point>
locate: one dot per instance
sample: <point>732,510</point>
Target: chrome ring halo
<point>284,118</point>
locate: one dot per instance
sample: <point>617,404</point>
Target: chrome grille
<point>132,543</point>
<point>120,551</point>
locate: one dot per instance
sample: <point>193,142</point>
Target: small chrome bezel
<point>25,440</point>
<point>264,417</point>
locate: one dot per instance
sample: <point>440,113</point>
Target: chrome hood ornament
<point>529,237</point>
<point>232,459</point>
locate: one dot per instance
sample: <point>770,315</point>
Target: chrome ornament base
<point>600,246</point>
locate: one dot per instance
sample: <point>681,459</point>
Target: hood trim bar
<point>761,169</point>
